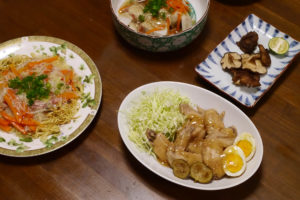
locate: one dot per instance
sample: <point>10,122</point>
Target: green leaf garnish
<point>87,100</point>
<point>153,6</point>
<point>51,141</point>
<point>141,18</point>
<point>26,139</point>
<point>33,86</point>
<point>88,79</point>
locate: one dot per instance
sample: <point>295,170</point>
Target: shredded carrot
<point>19,128</point>
<point>29,121</point>
<point>68,95</point>
<point>5,72</point>
<point>11,99</point>
<point>5,128</point>
<point>14,70</point>
<point>32,128</point>
<point>4,122</point>
<point>178,21</point>
<point>178,5</point>
<point>8,117</point>
<point>158,28</point>
<point>124,7</point>
<point>30,65</point>
<point>48,69</point>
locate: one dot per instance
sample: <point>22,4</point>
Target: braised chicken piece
<point>196,121</point>
<point>160,145</point>
<point>248,42</point>
<point>189,157</point>
<point>217,139</point>
<point>202,139</point>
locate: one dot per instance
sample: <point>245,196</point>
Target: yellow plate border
<point>98,95</point>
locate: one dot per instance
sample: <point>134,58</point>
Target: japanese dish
<point>157,17</point>
<point>194,142</point>
<point>247,68</point>
<point>37,95</point>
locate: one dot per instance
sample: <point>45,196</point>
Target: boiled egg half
<point>234,161</point>
<point>247,143</point>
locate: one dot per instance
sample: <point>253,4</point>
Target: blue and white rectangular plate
<point>210,69</point>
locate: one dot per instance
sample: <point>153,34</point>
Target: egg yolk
<point>233,163</point>
<point>246,146</point>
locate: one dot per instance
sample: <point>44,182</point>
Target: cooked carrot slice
<point>8,117</point>
<point>12,100</point>
<point>19,128</point>
<point>30,65</point>
<point>14,70</point>
<point>30,122</point>
<point>32,128</point>
<point>68,95</point>
<point>4,122</point>
<point>5,128</point>
<point>158,28</point>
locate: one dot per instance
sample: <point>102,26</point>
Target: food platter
<point>205,99</point>
<point>211,70</point>
<point>82,64</point>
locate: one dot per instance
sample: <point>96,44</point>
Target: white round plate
<point>205,99</point>
<point>10,144</point>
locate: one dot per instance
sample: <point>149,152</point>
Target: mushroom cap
<point>231,60</point>
<point>265,56</point>
<point>252,62</point>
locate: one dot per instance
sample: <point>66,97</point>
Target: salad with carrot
<point>37,95</point>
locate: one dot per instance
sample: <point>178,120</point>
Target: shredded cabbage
<point>158,111</point>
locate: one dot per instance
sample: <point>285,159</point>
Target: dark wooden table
<point>97,165</point>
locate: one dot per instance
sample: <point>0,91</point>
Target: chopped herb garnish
<point>60,85</point>
<point>88,79</point>
<point>171,10</point>
<point>153,6</point>
<point>141,18</point>
<point>87,100</point>
<point>21,148</point>
<point>71,56</point>
<point>81,67</point>
<point>2,139</point>
<point>61,48</point>
<point>163,15</point>
<point>13,142</point>
<point>54,50</point>
<point>33,86</point>
<point>63,138</point>
<point>26,139</point>
<point>51,141</point>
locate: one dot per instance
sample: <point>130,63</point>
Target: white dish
<point>210,69</point>
<point>82,65</point>
<point>205,99</point>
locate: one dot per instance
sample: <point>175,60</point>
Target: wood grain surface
<point>97,165</point>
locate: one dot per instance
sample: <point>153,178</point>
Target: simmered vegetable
<point>181,168</point>
<point>201,173</point>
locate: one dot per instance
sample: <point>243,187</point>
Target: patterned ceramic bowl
<point>162,43</point>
